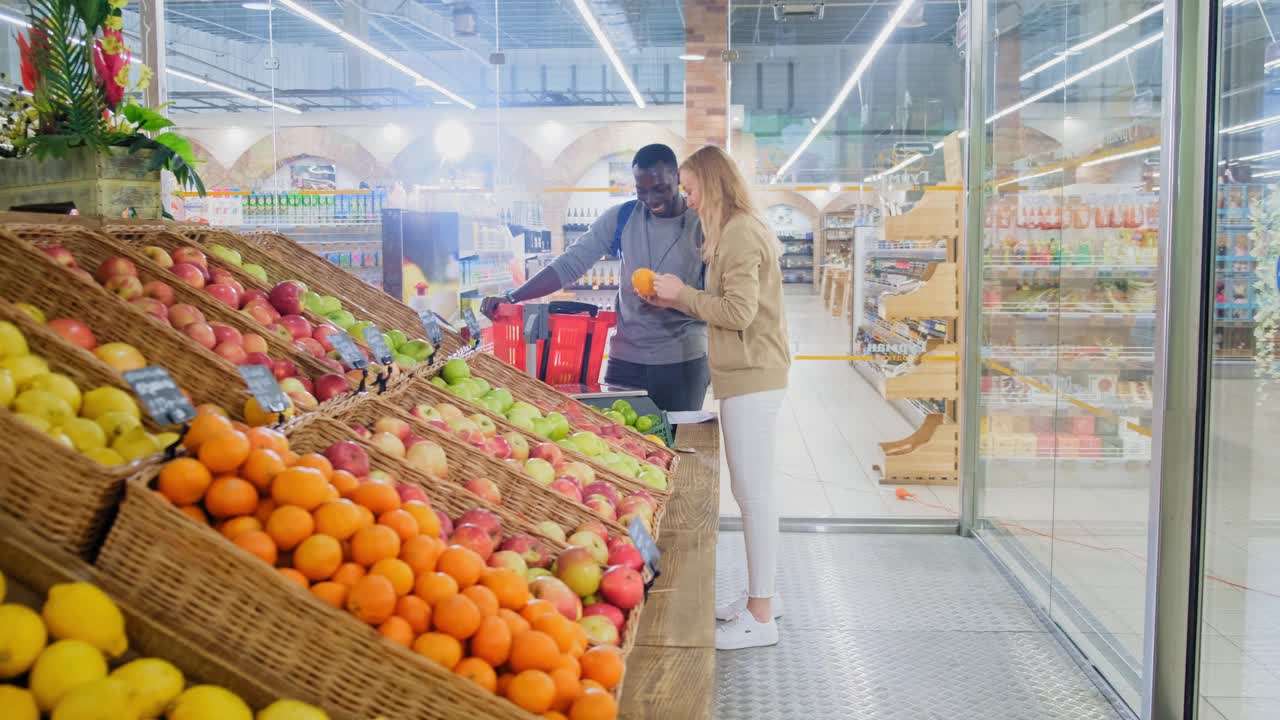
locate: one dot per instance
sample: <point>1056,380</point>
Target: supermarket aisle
<point>899,626</point>
<point>828,432</point>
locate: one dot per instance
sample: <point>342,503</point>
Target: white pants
<point>748,423</point>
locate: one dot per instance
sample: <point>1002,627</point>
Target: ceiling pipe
<point>414,15</point>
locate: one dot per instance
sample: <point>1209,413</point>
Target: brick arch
<point>519,163</point>
<point>292,143</point>
<point>213,173</point>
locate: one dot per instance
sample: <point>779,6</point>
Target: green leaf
<point>93,12</point>
<point>144,118</point>
<point>179,145</point>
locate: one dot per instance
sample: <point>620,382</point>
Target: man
<point>657,349</point>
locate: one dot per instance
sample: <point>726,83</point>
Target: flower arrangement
<point>80,80</point>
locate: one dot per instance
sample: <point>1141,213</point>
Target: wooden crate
<point>936,377</point>
<point>928,456</point>
<point>99,183</point>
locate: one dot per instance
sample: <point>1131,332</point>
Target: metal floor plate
<point>898,627</point>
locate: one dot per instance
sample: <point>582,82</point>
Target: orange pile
<point>355,546</point>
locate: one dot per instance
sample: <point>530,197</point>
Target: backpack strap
<point>624,214</point>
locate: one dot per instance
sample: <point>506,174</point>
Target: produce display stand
<point>671,671</point>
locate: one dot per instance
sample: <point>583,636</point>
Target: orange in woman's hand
<point>642,281</point>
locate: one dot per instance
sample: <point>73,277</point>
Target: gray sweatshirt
<point>646,334</point>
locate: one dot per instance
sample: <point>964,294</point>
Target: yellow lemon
<point>209,702</point>
<point>32,312</point>
<point>60,385</point>
<point>25,368</point>
<point>167,438</point>
<point>102,400</point>
<point>151,684</point>
<point>85,434</point>
<point>255,416</point>
<point>63,667</point>
<point>36,422</point>
<point>18,703</point>
<point>115,422</point>
<point>80,611</point>
<point>104,699</point>
<point>291,710</point>
<point>136,443</point>
<point>104,456</point>
<point>12,342</point>
<point>8,388</point>
<point>22,637</point>
<point>3,587</point>
<point>45,404</point>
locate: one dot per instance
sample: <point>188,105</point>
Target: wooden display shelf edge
<point>936,298</point>
<point>929,456</point>
<point>937,214</point>
<point>935,377</point>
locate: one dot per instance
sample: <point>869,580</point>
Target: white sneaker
<point>744,631</point>
<point>738,606</point>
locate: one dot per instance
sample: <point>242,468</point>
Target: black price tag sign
<point>473,325</point>
<point>264,388</point>
<point>432,326</point>
<point>160,395</point>
<point>347,350</point>
<point>644,543</point>
<point>377,345</point>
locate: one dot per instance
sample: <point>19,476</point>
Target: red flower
<point>28,64</point>
<point>110,56</point>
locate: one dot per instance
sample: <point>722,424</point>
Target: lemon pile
<point>104,423</point>
<point>70,678</point>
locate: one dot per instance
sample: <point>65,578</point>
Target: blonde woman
<point>749,359</point>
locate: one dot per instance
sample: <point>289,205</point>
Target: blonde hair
<point>724,194</point>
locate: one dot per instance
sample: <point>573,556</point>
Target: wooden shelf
<point>936,376</point>
<point>937,297</point>
<point>937,214</point>
<point>929,456</point>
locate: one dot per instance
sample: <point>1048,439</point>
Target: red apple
<point>309,346</point>
<point>114,266</point>
<point>411,493</point>
<point>548,451</point>
<point>485,519</point>
<point>600,487</point>
<point>152,307</point>
<point>232,352</point>
<point>592,542</point>
<point>473,538</point>
<point>226,294</point>
<point>596,527</point>
<point>578,569</point>
<point>331,386</point>
<point>297,325</point>
<point>637,505</point>
<point>321,335</point>
<point>531,549</point>
<point>332,364</point>
<point>519,445</point>
<point>303,400</point>
<point>74,332</point>
<point>498,447</point>
<point>188,254</point>
<point>260,311</point>
<point>554,591</point>
<point>388,443</point>
<point>223,275</point>
<point>258,358</point>
<point>446,525</point>
<point>283,368</point>
<point>61,255</point>
<point>362,432</point>
<point>253,342</point>
<point>601,631</point>
<point>348,455</point>
<point>601,505</point>
<point>622,586</point>
<point>509,560</point>
<point>251,294</point>
<point>188,273</point>
<point>126,286</point>
<point>485,489</point>
<point>393,425</point>
<point>158,255</point>
<point>280,331</point>
<point>605,610</point>
<point>158,290</point>
<point>413,440</point>
<point>626,555</point>
<point>286,297</point>
<point>201,333</point>
<point>226,333</point>
<point>579,470</point>
<point>566,487</point>
<point>550,529</point>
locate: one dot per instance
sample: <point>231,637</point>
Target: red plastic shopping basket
<point>579,333</point>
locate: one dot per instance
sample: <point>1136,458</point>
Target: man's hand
<point>489,306</point>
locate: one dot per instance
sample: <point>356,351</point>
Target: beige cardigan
<point>742,306</point>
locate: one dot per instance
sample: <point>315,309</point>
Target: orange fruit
<point>318,557</point>
<point>484,599</point>
<point>402,522</point>
<point>434,587</point>
<point>428,521</point>
<point>536,607</point>
<point>184,481</point>
<point>504,682</point>
<point>461,564</point>
<point>373,543</point>
<point>258,543</point>
<point>594,704</point>
<point>642,281</point>
<point>264,438</point>
<point>439,647</point>
<point>229,496</point>
<point>378,497</point>
<point>586,684</point>
<point>514,622</point>
<point>195,513</point>
<point>203,427</point>
<point>479,672</point>
<point>416,611</point>
<point>319,462</point>
<point>563,630</point>
<point>508,586</point>
<point>397,571</point>
<point>240,427</point>
<point>337,518</point>
<point>421,553</point>
<point>397,630</point>
<point>296,576</point>
<point>289,457</point>
<point>532,690</point>
<point>570,663</point>
<point>331,592</point>
<point>348,573</point>
<point>567,688</point>
<point>331,493</point>
<point>261,467</point>
<point>224,452</point>
<point>366,516</point>
<point>533,650</point>
<point>266,506</point>
<point>301,486</point>
<point>553,715</point>
<point>457,616</point>
<point>492,641</point>
<point>372,599</point>
<point>290,525</point>
<point>603,665</point>
<point>344,482</point>
<point>236,525</point>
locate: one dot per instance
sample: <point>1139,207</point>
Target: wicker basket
<point>520,494</point>
<point>316,433</point>
<point>188,576</point>
<point>33,566</point>
<point>413,393</point>
<point>57,492</point>
<point>532,390</point>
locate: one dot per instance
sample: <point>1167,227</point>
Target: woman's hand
<point>667,287</point>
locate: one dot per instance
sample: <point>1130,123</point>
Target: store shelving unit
<point>907,306</point>
<point>834,247</point>
<point>797,258</point>
<point>1235,307</point>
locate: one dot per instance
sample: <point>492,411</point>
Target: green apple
<point>616,416</point>
<point>419,350</point>
<point>226,253</point>
<point>395,339</point>
<point>503,396</point>
<point>492,404</point>
<point>653,476</point>
<point>481,385</point>
<point>521,407</point>
<point>357,329</point>
<point>645,423</point>
<point>329,303</point>
<point>560,425</point>
<point>523,422</point>
<point>342,319</point>
<point>621,405</point>
<point>404,361</point>
<point>629,417</point>
<point>311,301</point>
<point>542,427</point>
<point>455,370</point>
<point>257,272</point>
<point>439,382</point>
<point>588,443</point>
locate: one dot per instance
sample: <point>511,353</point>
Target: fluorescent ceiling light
<point>1269,173</point>
<point>604,44</point>
<point>687,57</point>
<point>232,91</point>
<point>1259,156</point>
<point>1091,41</point>
<point>257,6</point>
<point>419,79</point>
<point>849,84</point>
<point>892,170</point>
<point>1032,176</point>
<point>1253,125</point>
<point>1271,64</point>
<point>1120,156</point>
